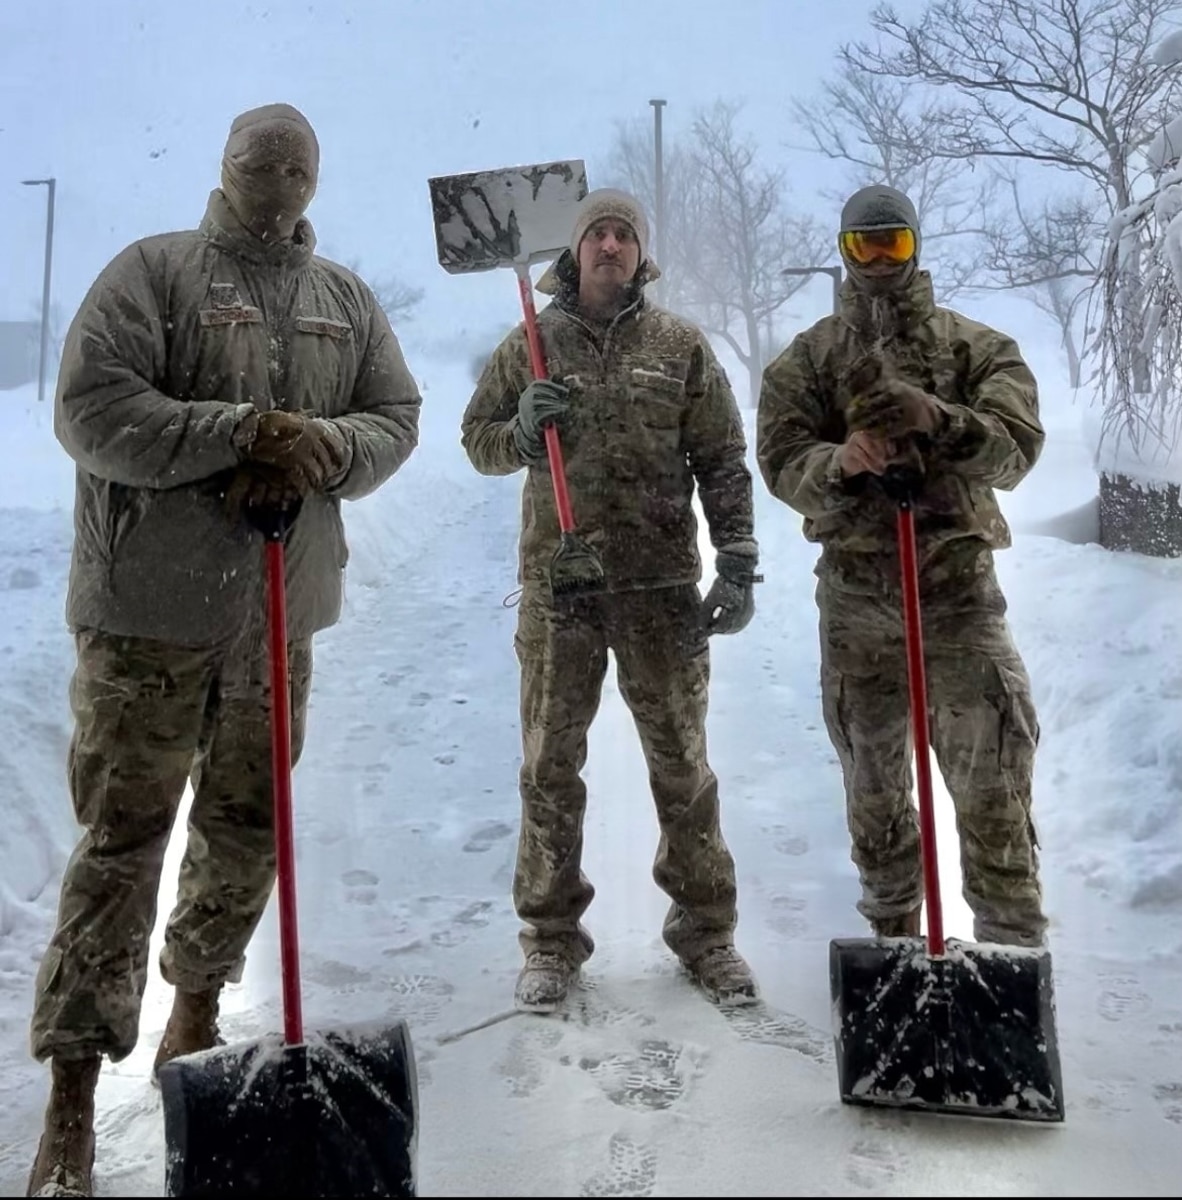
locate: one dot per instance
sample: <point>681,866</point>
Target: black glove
<point>545,401</point>
<point>255,486</point>
<point>730,603</point>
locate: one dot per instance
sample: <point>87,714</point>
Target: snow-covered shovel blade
<point>334,1116</point>
<point>505,217</point>
<point>971,1031</point>
<point>512,217</point>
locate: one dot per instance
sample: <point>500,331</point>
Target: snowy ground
<point>406,821</point>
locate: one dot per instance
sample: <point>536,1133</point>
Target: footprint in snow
<point>418,999</point>
<point>785,918</point>
<point>459,928</point>
<point>871,1165</point>
<point>361,886</point>
<point>650,1079</point>
<point>759,1023</point>
<point>1169,1096</point>
<point>1122,997</point>
<point>631,1170</point>
<point>523,1064</point>
<point>486,836</point>
<point>587,1008</point>
<point>788,842</point>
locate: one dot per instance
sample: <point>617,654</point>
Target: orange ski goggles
<point>866,245</point>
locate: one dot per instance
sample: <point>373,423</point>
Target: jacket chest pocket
<point>657,401</point>
<point>231,357</point>
<point>323,364</point>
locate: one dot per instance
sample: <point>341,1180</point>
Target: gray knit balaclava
<point>263,143</point>
<point>880,207</point>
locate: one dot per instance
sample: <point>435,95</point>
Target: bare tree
<point>976,234</point>
<point>747,236</point>
<point>730,233</point>
<point>398,299</point>
<point>631,165</point>
<point>1050,253</point>
<point>1066,84</point>
<point>1151,229</point>
<point>882,128</point>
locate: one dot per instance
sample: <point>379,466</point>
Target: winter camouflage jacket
<point>178,338</point>
<point>651,413</point>
<point>992,440</point>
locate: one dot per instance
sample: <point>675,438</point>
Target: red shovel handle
<point>293,1020</point>
<point>537,361</point>
<point>917,685</point>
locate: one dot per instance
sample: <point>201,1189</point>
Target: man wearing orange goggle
<point>865,246</point>
<point>895,378</point>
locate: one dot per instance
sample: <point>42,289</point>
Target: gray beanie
<point>609,202</point>
<point>879,207</point>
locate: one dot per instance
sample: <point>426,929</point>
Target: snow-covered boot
<point>543,982</point>
<point>723,974</point>
<point>65,1157</point>
<point>192,1026</point>
<point>901,925</point>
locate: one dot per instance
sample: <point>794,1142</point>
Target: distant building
<point>20,353</point>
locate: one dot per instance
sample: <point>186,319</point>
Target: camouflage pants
<point>664,670</point>
<point>983,730</point>
<point>148,718</point>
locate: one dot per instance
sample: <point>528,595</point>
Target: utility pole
<point>834,272</point>
<point>51,185</point>
<point>659,182</point>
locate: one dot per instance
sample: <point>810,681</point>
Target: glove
<point>309,450</point>
<point>894,409</point>
<point>543,402</point>
<point>256,486</point>
<point>730,603</point>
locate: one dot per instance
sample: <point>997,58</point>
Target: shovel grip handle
<point>917,686</point>
<point>537,362</point>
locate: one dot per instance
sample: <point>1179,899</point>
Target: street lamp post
<point>833,272</point>
<point>51,186</point>
<point>659,181</point>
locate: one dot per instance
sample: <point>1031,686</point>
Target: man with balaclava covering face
<point>269,170</point>
<point>646,417</point>
<point>207,375</point>
<point>895,381</point>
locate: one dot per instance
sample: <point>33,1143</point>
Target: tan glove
<point>310,451</point>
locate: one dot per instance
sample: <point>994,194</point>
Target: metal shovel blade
<point>335,1115</point>
<point>971,1031</point>
<point>499,218</point>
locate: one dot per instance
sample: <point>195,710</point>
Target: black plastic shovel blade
<point>970,1032</point>
<point>512,215</point>
<point>333,1116</point>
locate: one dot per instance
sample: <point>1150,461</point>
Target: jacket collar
<point>223,228</point>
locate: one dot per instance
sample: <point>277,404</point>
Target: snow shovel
<point>513,217</point>
<point>954,1027</point>
<point>333,1114</point>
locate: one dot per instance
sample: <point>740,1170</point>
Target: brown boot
<point>65,1157</point>
<point>723,974</point>
<point>192,1026</point>
<point>902,925</point>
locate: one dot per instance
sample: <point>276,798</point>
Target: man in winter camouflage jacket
<point>894,380</point>
<point>645,414</point>
<point>206,373</point>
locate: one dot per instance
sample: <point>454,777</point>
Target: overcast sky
<point>128,104</point>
